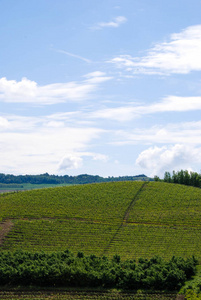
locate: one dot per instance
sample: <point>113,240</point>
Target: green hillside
<point>132,219</point>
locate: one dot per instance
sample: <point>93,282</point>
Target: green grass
<point>132,219</point>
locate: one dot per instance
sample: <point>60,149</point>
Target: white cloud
<point>116,22</point>
<point>70,162</point>
<point>120,114</point>
<point>96,77</point>
<point>188,133</point>
<point>39,144</point>
<point>181,54</point>
<point>3,123</point>
<point>101,157</point>
<point>175,103</point>
<point>130,112</point>
<point>157,160</point>
<point>52,143</point>
<point>75,161</point>
<point>55,124</point>
<point>27,91</point>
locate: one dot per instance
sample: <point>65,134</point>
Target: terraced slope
<point>78,217</point>
<point>133,219</point>
<point>165,220</point>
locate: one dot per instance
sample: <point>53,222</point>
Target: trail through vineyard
<point>131,219</point>
<point>125,218</point>
<point>126,215</point>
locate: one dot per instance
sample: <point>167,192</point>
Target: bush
<point>66,269</point>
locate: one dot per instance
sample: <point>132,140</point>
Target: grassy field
<point>133,219</point>
<point>13,187</point>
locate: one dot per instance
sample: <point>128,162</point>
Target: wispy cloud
<point>181,54</point>
<point>168,104</point>
<point>27,91</point>
<point>116,22</point>
<point>75,55</point>
<point>174,103</point>
<point>188,133</point>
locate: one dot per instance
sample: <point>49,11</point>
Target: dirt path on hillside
<point>126,215</point>
<point>125,218</point>
<point>5,227</point>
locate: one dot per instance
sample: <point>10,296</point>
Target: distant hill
<point>66,179</point>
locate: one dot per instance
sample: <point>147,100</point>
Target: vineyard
<point>136,220</point>
<point>132,219</point>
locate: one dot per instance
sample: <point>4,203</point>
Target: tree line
<point>182,177</point>
<point>66,269</point>
<point>65,179</point>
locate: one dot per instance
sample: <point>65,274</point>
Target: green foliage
<point>55,179</point>
<point>156,178</point>
<point>191,295</point>
<point>183,177</point>
<point>65,269</point>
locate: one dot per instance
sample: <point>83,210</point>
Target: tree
<point>156,178</point>
<point>167,177</point>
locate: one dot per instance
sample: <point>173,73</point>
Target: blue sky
<point>108,87</point>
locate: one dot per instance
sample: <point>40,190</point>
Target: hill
<point>132,219</point>
<point>9,182</point>
<point>65,179</point>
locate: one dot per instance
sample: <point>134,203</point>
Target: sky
<point>109,88</point>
